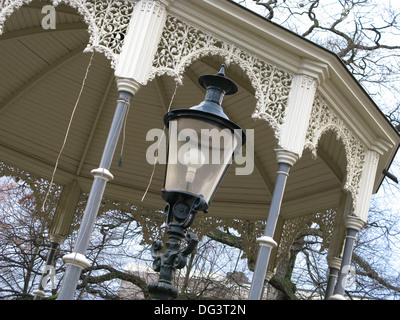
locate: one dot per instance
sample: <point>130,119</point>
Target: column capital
<point>56,238</point>
<point>76,259</point>
<point>353,222</point>
<point>366,184</point>
<point>286,156</point>
<point>65,211</point>
<point>267,241</point>
<point>269,275</point>
<point>334,262</point>
<point>128,84</point>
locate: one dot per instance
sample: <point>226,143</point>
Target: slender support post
<point>356,215</point>
<point>334,268</point>
<point>77,261</point>
<point>286,159</point>
<point>336,245</point>
<point>58,231</point>
<point>48,271</point>
<point>353,225</point>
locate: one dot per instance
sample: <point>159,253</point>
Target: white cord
<point>159,142</point>
<point>67,132</point>
<point>120,164</point>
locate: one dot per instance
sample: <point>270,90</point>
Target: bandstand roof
<point>41,74</point>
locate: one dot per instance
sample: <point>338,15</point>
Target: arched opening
<point>43,71</point>
<point>253,170</point>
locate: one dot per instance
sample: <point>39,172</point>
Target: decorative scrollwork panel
<point>292,228</point>
<point>324,119</point>
<point>182,44</point>
<point>107,21</point>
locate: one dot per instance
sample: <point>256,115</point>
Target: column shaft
<point>266,242</point>
<point>353,225</point>
<point>39,294</point>
<point>102,175</point>
<point>346,261</point>
<point>332,277</point>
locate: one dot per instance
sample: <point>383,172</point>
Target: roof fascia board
<point>213,16</point>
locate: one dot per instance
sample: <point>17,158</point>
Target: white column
<point>141,43</point>
<point>291,147</point>
<point>65,212</point>
<point>366,184</point>
<point>298,114</point>
<point>59,230</point>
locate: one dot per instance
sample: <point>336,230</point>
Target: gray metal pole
<point>344,269</point>
<point>39,294</point>
<point>333,275</point>
<point>267,242</point>
<point>76,261</point>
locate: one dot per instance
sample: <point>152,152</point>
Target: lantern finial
<point>219,81</point>
<point>222,71</point>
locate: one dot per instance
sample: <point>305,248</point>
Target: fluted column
<point>367,181</point>
<point>298,114</point>
<point>141,42</point>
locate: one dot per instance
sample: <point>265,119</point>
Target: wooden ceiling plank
<point>27,32</point>
<point>95,123</point>
<point>45,72</point>
<point>333,166</point>
<point>162,94</point>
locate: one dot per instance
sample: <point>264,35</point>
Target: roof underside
<point>41,73</point>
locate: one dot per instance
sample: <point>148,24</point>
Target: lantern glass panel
<point>200,151</point>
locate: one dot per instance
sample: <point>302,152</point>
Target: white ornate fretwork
<point>324,119</point>
<point>107,21</point>
<point>182,44</point>
<point>292,227</point>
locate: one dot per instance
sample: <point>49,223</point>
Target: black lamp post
<point>197,163</point>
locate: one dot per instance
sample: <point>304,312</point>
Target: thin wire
<point>124,134</point>
<point>159,142</point>
<point>67,132</point>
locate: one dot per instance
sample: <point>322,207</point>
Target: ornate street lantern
<point>202,145</point>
